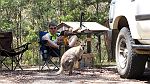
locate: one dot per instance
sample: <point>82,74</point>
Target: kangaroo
<point>70,57</point>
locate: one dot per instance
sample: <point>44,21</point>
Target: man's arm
<point>50,43</point>
<point>73,40</point>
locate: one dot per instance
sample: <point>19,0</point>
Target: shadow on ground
<point>96,75</point>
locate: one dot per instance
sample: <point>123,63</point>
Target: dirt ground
<point>105,75</point>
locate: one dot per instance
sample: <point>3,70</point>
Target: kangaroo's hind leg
<point>71,68</point>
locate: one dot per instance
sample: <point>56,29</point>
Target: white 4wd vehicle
<point>130,19</point>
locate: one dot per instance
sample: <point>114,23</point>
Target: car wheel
<point>129,64</point>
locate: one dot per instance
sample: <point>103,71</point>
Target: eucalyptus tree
<point>26,17</point>
<point>94,10</point>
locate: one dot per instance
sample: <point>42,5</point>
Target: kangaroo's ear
<point>83,43</point>
<point>79,41</point>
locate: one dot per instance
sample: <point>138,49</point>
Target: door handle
<point>132,0</point>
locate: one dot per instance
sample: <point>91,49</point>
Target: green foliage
<point>101,55</point>
<point>26,17</point>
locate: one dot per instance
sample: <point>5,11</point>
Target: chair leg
<point>6,66</point>
<point>58,63</point>
<point>45,64</point>
<point>17,60</point>
<point>12,60</point>
<point>55,66</point>
<point>2,61</point>
<point>17,64</point>
<point>48,62</point>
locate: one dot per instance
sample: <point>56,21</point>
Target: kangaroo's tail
<point>60,71</point>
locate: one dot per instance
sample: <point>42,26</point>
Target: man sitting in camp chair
<point>51,44</point>
<point>54,40</point>
<point>52,37</point>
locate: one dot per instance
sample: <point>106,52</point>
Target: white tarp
<point>92,26</point>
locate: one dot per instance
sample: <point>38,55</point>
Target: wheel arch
<point>120,22</point>
<point>128,22</point>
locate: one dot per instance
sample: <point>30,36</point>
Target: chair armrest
<point>24,46</point>
<point>15,51</point>
<point>6,53</point>
<point>3,50</point>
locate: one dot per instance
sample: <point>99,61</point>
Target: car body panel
<point>137,13</point>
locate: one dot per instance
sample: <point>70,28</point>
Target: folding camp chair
<point>47,52</point>
<point>7,52</point>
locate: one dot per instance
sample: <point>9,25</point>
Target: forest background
<point>25,18</point>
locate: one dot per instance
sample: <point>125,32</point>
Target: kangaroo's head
<point>83,44</point>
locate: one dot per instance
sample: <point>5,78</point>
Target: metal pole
<point>81,18</point>
<point>89,43</point>
<point>99,47</point>
<point>0,30</point>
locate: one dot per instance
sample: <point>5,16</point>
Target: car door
<point>143,18</point>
